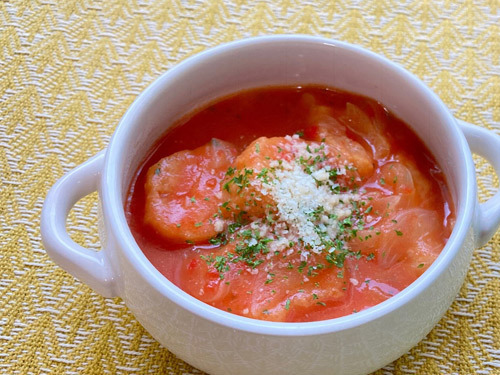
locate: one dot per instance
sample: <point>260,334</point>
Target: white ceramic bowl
<point>219,342</point>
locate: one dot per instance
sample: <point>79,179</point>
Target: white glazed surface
<point>222,343</point>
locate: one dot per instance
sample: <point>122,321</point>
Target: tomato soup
<point>290,204</point>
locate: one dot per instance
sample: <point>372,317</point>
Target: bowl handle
<point>90,267</point>
<point>485,143</point>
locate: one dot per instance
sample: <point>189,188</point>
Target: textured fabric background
<point>69,70</point>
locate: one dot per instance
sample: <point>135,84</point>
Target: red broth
<point>290,204</point>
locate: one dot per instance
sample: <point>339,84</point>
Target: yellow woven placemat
<point>68,71</point>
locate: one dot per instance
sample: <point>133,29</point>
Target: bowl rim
<point>113,206</point>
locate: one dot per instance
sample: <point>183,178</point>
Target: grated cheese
<point>298,197</point>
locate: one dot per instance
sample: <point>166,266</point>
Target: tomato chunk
<point>183,192</point>
<point>414,233</point>
<point>345,151</point>
<point>252,165</point>
<point>370,130</point>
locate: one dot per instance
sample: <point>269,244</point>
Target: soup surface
<point>290,204</point>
